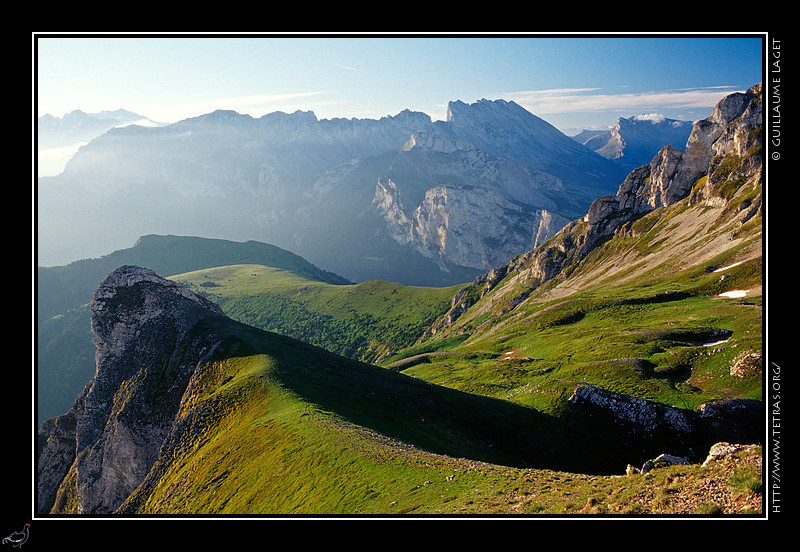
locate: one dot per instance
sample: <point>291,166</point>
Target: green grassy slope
<point>633,317</point>
<point>276,427</point>
<point>63,287</point>
<point>65,353</point>
<point>361,321</point>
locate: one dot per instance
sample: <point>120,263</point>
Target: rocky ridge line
<point>721,149</point>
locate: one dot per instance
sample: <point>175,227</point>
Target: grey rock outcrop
<point>96,454</point>
<point>663,460</point>
<point>638,414</point>
<point>717,451</point>
<point>689,433</point>
<point>722,450</point>
<point>748,364</point>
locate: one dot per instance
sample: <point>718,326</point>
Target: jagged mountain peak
<point>633,141</point>
<point>733,105</point>
<point>458,108</point>
<point>492,115</point>
<point>219,117</point>
<point>78,116</point>
<point>652,119</point>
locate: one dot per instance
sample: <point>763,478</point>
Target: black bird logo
<point>18,538</point>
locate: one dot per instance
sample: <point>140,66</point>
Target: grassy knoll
<point>653,351</point>
<point>361,321</point>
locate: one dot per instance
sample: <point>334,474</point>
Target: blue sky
<point>571,82</point>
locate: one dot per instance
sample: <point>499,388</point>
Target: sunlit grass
<point>362,321</point>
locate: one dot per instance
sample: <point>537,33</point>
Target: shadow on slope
<point>451,422</point>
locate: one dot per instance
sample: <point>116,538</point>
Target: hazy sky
<point>571,82</point>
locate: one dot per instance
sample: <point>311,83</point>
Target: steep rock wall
<point>96,454</point>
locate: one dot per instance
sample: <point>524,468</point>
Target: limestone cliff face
<point>470,227</point>
<point>469,208</point>
<point>96,454</point>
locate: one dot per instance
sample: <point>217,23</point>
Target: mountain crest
<point>307,185</point>
<point>131,298</point>
<point>499,122</point>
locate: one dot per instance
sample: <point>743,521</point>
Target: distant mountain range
<point>401,198</point>
<point>633,141</point>
<point>78,126</point>
<point>58,138</point>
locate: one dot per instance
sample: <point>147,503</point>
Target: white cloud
<point>571,100</point>
<point>342,66</point>
<point>51,162</point>
<point>654,118</point>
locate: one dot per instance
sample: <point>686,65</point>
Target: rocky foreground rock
<point>108,441</point>
<point>686,434</point>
